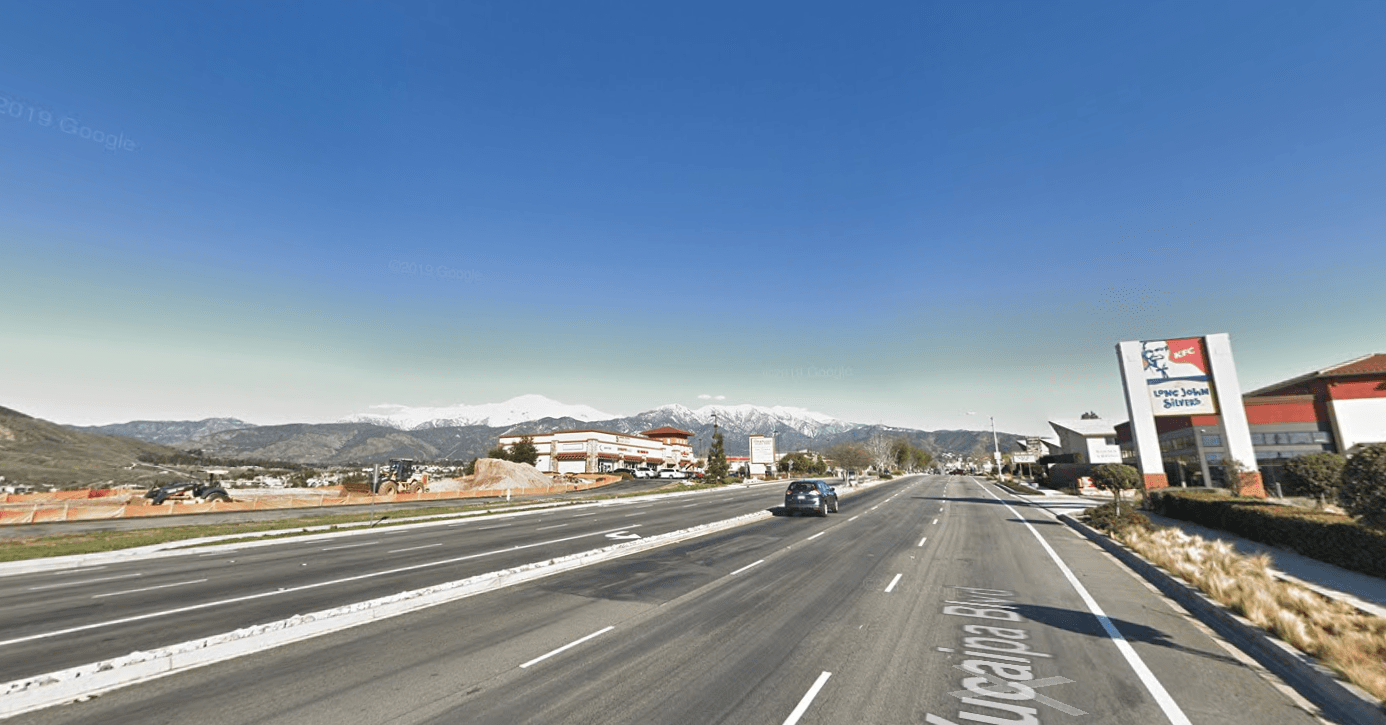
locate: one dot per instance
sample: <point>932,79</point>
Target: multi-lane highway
<point>928,599</point>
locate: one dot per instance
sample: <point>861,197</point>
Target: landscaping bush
<point>1317,475</point>
<point>1105,517</point>
<point>1331,538</point>
<point>1362,491</point>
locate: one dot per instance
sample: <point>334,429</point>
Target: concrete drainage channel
<point>76,683</point>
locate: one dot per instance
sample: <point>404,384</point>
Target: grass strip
<point>1342,637</point>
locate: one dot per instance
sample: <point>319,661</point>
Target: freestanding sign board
<point>1176,375</point>
<point>763,450</point>
<point>1185,376</point>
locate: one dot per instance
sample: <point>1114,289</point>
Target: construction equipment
<point>399,476</point>
<point>190,491</point>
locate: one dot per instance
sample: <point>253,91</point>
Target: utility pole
<point>996,446</point>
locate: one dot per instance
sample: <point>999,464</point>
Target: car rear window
<point>802,487</point>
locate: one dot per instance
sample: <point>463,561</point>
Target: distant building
<point>598,451</point>
<point>1334,409</point>
<point>1084,441</point>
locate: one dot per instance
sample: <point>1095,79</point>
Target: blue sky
<point>892,212</point>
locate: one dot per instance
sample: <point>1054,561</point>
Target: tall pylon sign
<point>1193,377</point>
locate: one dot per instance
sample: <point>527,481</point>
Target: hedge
<point>1331,538</point>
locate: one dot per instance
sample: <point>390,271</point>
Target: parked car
<point>670,473</point>
<point>623,472</point>
<point>811,495</point>
<point>645,472</point>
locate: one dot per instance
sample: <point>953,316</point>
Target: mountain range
<point>462,432</point>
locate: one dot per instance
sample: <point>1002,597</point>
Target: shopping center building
<point>598,451</point>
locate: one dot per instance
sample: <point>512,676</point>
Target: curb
<point>75,683</point>
<point>1338,698</point>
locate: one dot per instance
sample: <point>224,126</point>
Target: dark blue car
<point>812,495</point>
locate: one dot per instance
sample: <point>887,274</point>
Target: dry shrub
<point>1339,635</point>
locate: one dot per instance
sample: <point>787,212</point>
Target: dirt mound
<point>493,473</point>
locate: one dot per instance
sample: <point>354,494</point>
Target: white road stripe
<point>578,516</point>
<point>893,582</point>
<point>350,546</point>
<point>807,700</point>
<point>1152,685</point>
<point>854,518</point>
<point>413,548</point>
<point>566,647</point>
<point>147,589</point>
<point>935,520</point>
<point>921,541</point>
<point>811,538</point>
<point>84,581</point>
<point>555,526</point>
<point>744,568</point>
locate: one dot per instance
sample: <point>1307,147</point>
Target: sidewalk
<point>1363,591</point>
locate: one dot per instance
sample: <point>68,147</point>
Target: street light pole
<point>996,444</point>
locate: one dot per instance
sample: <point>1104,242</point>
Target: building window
<point>1258,439</point>
<point>1214,457</point>
<point>1212,441</point>
<point>1323,436</point>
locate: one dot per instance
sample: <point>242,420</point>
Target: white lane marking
<point>811,538</point>
<point>626,516</point>
<point>566,647</point>
<point>807,700</point>
<point>498,526</point>
<point>686,506</point>
<point>935,521</point>
<point>84,569</point>
<point>303,587</point>
<point>413,548</point>
<point>744,568</point>
<point>854,518</point>
<point>622,534</point>
<point>921,541</point>
<point>350,546</point>
<point>555,526</point>
<point>1152,685</point>
<point>147,589</point>
<point>84,581</point>
<point>578,516</point>
<point>893,582</point>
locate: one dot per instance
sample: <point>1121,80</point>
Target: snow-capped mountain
<point>748,417</point>
<point>516,410</point>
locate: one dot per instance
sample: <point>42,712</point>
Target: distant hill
<point>36,452</point>
<point>166,432</point>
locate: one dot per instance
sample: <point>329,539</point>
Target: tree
<point>1236,474</point>
<point>1090,415</point>
<point>879,447</point>
<point>1317,474</point>
<point>470,470</point>
<point>498,451</point>
<point>1362,491</point>
<point>716,458</point>
<point>1116,477</point>
<point>524,451</point>
<point>803,463</point>
<point>922,458</point>
<point>850,456</point>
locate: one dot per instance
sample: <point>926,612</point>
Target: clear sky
<point>889,212</point>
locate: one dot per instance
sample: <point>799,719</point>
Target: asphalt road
<point>918,603</point>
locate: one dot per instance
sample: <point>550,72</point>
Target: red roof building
<point>1334,409</point>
